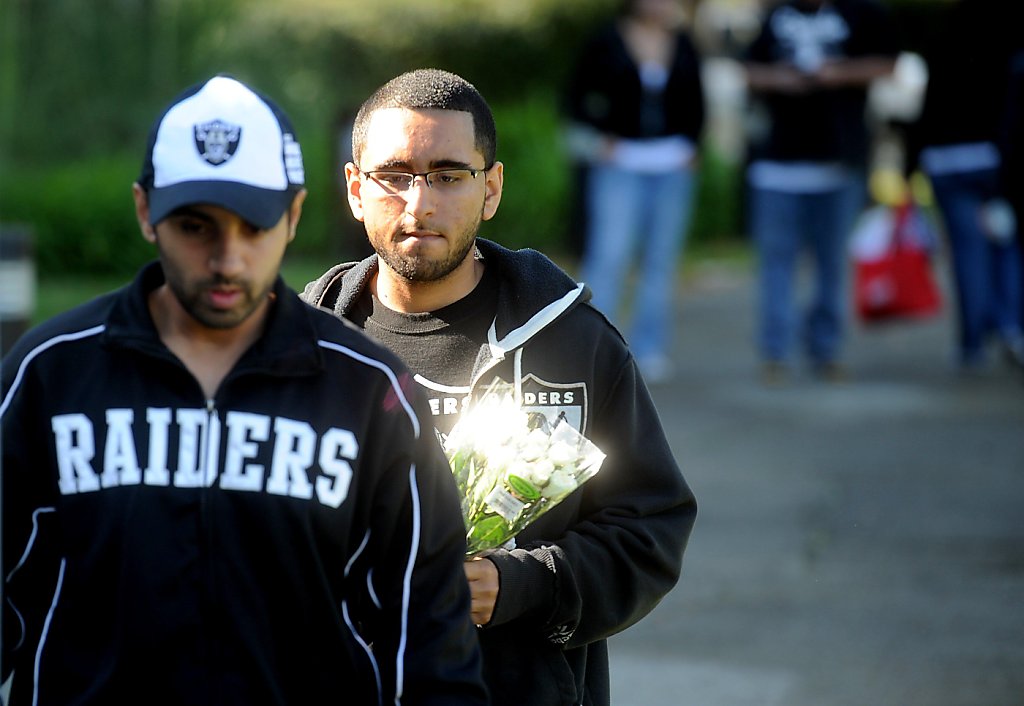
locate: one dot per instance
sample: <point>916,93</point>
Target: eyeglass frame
<point>473,172</point>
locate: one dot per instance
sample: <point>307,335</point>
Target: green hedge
<point>319,60</point>
<point>81,215</point>
<point>534,200</point>
<point>83,218</point>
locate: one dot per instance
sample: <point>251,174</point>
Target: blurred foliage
<point>534,199</point>
<point>82,214</point>
<point>84,79</point>
<point>80,84</point>
<point>718,208</point>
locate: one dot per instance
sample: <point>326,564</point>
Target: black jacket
<point>162,548</point>
<point>971,63</point>
<point>605,91</point>
<point>602,559</point>
<point>824,124</point>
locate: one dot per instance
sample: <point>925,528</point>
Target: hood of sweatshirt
<point>533,292</point>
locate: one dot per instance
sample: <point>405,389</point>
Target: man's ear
<point>294,213</point>
<point>354,190</point>
<point>142,212</point>
<point>494,178</point>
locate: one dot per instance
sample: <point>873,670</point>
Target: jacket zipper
<point>210,445</point>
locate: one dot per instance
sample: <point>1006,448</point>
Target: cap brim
<point>261,207</point>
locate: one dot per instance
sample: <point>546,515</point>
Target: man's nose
<point>419,197</point>
<point>227,258</point>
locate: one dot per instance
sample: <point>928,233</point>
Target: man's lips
<point>224,297</point>
<point>420,235</point>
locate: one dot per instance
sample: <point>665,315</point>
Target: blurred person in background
<point>636,106</point>
<point>1012,151</point>
<point>959,142</point>
<point>810,66</point>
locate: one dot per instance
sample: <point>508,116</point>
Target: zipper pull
<point>211,442</point>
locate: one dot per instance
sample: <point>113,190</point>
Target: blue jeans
<point>623,209</point>
<point>987,274</point>
<point>782,224</point>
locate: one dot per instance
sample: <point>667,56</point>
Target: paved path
<point>857,544</point>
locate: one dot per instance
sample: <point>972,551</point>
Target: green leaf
<point>488,533</point>
<point>523,488</point>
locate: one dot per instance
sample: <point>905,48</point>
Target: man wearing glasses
<point>462,312</point>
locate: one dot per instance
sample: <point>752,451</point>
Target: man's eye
<point>452,177</point>
<point>192,227</point>
<point>393,178</point>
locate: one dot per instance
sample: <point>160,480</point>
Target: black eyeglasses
<point>444,180</point>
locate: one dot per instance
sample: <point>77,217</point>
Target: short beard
<point>212,318</point>
<point>416,268</point>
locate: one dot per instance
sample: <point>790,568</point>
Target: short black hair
<point>425,89</point>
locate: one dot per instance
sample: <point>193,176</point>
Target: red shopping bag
<point>896,281</point>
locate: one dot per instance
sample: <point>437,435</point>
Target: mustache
<point>222,281</point>
<point>417,226</point>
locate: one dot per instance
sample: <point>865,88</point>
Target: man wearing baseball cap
<point>213,493</point>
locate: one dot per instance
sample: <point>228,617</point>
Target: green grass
<point>55,294</point>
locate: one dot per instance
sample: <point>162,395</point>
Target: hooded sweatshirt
<point>606,555</point>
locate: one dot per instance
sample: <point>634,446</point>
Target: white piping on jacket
<point>519,336</point>
<point>49,343</point>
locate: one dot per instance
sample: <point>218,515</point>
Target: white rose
<point>561,453</point>
<point>559,484</point>
<point>534,445</point>
<point>569,468</point>
<point>531,452</point>
<point>499,457</point>
<point>540,472</point>
<point>538,436</point>
<point>497,424</point>
<point>520,468</point>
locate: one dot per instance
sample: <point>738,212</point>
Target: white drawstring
<point>517,367</point>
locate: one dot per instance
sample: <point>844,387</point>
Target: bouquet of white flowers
<point>512,466</point>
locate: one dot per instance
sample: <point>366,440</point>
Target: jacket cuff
<point>526,585</point>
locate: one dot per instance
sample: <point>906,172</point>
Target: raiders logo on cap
<point>195,154</point>
<point>217,141</point>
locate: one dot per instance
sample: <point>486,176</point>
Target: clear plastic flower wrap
<point>511,466</point>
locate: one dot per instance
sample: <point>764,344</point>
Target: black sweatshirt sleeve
<point>614,565</point>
